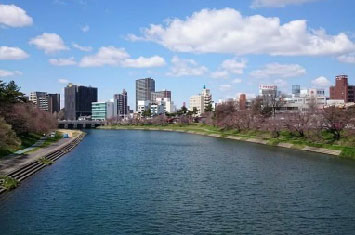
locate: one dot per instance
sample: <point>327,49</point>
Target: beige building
<point>197,101</point>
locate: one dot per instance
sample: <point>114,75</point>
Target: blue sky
<point>231,46</point>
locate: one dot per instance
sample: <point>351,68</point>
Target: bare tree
<point>335,120</point>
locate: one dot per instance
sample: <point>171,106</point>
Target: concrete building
<point>143,105</point>
<point>120,104</point>
<point>197,101</point>
<point>207,97</point>
<point>167,104</point>
<point>342,90</point>
<point>270,90</point>
<point>53,103</point>
<point>46,102</point>
<point>156,109</point>
<point>307,99</point>
<point>160,94</point>
<point>109,110</point>
<point>242,102</point>
<point>78,100</point>
<point>144,89</point>
<point>201,101</point>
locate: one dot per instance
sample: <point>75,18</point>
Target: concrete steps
<point>31,168</point>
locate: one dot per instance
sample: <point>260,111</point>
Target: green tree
<point>146,113</point>
<point>209,108</point>
<point>7,136</point>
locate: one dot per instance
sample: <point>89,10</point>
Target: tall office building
<point>296,90</point>
<point>120,104</point>
<point>78,101</point>
<point>54,103</point>
<point>160,94</point>
<point>342,90</point>
<point>46,102</point>
<point>144,89</point>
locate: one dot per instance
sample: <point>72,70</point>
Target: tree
<point>7,136</point>
<point>334,120</point>
<point>298,122</point>
<point>146,113</point>
<point>209,108</point>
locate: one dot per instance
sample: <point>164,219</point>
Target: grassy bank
<point>346,145</point>
<point>29,140</point>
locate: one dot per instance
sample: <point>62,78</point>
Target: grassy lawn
<point>346,144</point>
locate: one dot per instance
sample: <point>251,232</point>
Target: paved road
<point>11,163</point>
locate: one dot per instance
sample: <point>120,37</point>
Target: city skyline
<point>128,42</point>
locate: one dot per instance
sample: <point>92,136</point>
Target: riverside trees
<point>19,118</point>
<point>310,124</point>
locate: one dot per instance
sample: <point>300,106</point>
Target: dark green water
<point>121,182</point>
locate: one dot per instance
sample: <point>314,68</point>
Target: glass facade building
<point>78,101</point>
<point>99,110</point>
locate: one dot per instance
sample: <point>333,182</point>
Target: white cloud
<point>85,28</point>
<point>348,58</point>
<point>5,73</point>
<point>234,65</point>
<point>278,3</point>
<point>237,81</point>
<point>105,56</point>
<point>119,57</point>
<point>321,82</point>
<point>63,81</point>
<point>227,31</point>
<point>186,67</point>
<point>279,70</point>
<point>280,83</point>
<point>14,16</point>
<point>229,66</point>
<point>226,87</point>
<point>82,48</point>
<point>142,62</point>
<point>219,74</point>
<point>12,53</point>
<point>49,42</point>
<point>62,61</point>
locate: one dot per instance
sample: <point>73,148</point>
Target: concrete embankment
<point>252,140</point>
<point>31,168</point>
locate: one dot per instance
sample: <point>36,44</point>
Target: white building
<point>306,98</point>
<point>201,101</point>
<point>156,109</point>
<point>168,105</point>
<point>197,101</point>
<point>268,90</point>
<point>143,105</point>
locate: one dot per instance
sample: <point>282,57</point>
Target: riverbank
<point>284,140</point>
<point>22,166</point>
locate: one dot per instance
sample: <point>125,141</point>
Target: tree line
<point>19,117</point>
<point>263,115</point>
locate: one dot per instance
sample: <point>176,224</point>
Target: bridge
<point>82,124</point>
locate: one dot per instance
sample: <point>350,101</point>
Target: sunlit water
<point>120,182</point>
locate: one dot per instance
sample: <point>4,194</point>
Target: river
<point>152,182</point>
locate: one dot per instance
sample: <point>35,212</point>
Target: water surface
<point>152,182</point>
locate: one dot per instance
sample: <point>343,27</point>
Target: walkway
<point>13,162</point>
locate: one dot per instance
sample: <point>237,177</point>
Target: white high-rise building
<point>201,101</point>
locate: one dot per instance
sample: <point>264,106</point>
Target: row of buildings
<point>81,102</point>
<point>301,99</point>
<point>46,102</point>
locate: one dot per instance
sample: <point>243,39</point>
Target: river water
<point>152,182</point>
